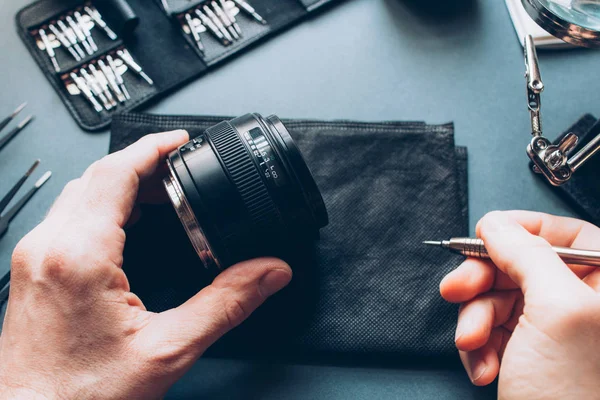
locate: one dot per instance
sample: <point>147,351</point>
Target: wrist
<point>16,389</point>
<point>21,392</point>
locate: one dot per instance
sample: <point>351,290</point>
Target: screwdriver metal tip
<point>432,243</point>
<point>43,179</point>
<point>18,110</point>
<point>23,123</point>
<point>32,168</point>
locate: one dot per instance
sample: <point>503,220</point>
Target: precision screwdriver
<point>470,247</point>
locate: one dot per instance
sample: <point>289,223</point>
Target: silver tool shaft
<point>83,88</point>
<point>86,32</point>
<point>224,17</point>
<point>211,27</point>
<point>79,33</point>
<point>64,41</point>
<point>128,59</point>
<point>470,247</point>
<point>585,154</point>
<point>49,49</point>
<point>120,81</point>
<point>231,16</point>
<point>194,32</point>
<point>218,23</point>
<point>250,10</point>
<point>97,17</point>
<point>69,34</point>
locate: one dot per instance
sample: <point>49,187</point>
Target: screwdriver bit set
<point>105,57</point>
<point>218,18</point>
<point>73,33</point>
<point>102,81</point>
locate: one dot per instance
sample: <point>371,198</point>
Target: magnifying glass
<point>574,21</point>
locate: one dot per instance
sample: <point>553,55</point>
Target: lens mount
<point>188,219</point>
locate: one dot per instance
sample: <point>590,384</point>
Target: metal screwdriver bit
<point>69,34</point>
<point>86,32</point>
<point>128,59</point>
<point>224,17</point>
<point>49,49</point>
<point>194,32</point>
<point>83,88</point>
<point>250,10</point>
<point>231,16</point>
<point>120,81</point>
<point>207,22</point>
<point>218,23</point>
<point>64,41</point>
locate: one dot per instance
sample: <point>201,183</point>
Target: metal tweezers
<point>6,217</point>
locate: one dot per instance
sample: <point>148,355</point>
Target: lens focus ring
<point>244,174</point>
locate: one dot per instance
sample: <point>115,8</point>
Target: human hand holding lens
<point>73,328</point>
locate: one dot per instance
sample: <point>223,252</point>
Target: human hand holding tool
<point>72,323</point>
<point>526,316</point>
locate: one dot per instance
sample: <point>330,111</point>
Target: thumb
<point>239,290</point>
<point>527,259</point>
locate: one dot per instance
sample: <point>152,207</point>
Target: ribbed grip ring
<point>244,174</point>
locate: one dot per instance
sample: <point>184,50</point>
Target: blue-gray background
<point>362,59</point>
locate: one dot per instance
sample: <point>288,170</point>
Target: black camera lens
<point>242,190</point>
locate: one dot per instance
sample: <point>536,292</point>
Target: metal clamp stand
<point>551,160</point>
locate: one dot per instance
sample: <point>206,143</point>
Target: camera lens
<point>242,190</point>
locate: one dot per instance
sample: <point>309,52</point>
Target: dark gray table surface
<point>365,60</point>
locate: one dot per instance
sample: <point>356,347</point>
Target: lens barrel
<point>242,190</point>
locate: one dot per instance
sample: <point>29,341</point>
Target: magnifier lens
<point>584,13</point>
<point>574,21</point>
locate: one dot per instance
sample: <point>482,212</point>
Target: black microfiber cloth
<point>582,191</point>
<point>369,288</point>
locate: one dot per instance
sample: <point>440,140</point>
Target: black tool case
<point>152,33</point>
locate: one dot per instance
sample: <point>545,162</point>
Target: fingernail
<point>498,221</point>
<point>274,281</point>
<point>458,334</point>
<point>181,132</point>
<point>478,371</point>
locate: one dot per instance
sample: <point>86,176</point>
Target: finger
<point>593,280</point>
<point>479,317</point>
<point>109,188</point>
<point>527,259</point>
<point>223,305</point>
<point>483,365</point>
<point>133,300</point>
<point>472,278</point>
<point>562,232</point>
